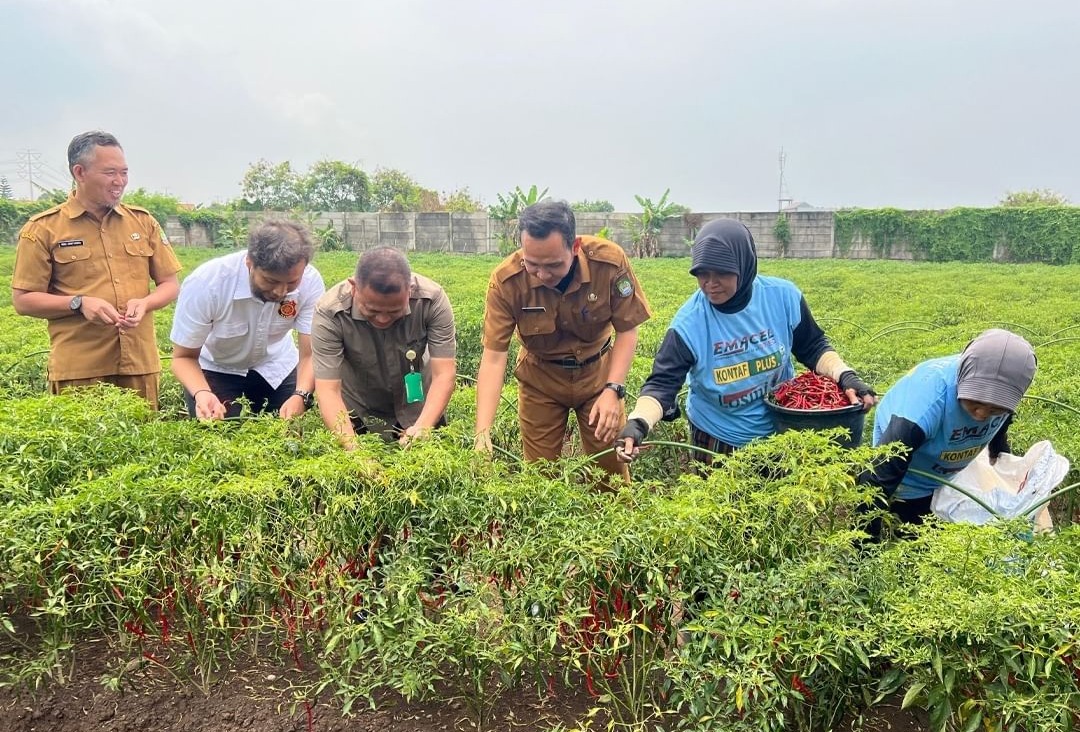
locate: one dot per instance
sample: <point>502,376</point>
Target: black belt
<point>573,363</point>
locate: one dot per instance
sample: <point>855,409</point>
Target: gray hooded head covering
<point>727,246</point>
<point>996,368</point>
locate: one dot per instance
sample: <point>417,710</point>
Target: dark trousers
<point>253,387</point>
<point>910,511</point>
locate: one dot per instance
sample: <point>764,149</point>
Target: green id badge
<point>414,387</point>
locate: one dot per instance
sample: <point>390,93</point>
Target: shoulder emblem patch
<point>624,286</point>
<point>161,235</point>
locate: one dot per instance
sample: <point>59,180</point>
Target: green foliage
<point>1021,234</point>
<point>782,232</point>
<point>394,190</point>
<point>13,214</point>
<point>328,238</point>
<point>599,206</point>
<point>212,219</point>
<point>5,189</point>
<point>269,187</point>
<point>647,226</point>
<point>733,600</point>
<point>1037,197</point>
<point>461,201</point>
<point>160,205</point>
<point>506,212</point>
<point>331,185</point>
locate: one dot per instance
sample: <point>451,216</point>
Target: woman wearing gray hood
<point>733,340</point>
<point>945,411</point>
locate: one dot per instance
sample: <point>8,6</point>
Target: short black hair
<point>540,219</point>
<point>278,245</point>
<point>82,147</point>
<point>384,269</point>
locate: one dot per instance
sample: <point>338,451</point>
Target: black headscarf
<point>727,246</point>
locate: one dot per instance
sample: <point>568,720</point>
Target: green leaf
<point>912,694</point>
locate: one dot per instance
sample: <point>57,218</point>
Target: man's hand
<point>628,444</point>
<point>96,310</point>
<point>207,405</point>
<point>482,443</point>
<point>132,315</point>
<point>606,415</point>
<point>857,390</point>
<point>413,433</point>
<point>292,407</point>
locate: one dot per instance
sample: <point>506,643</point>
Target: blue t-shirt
<point>926,396</point>
<point>738,358</point>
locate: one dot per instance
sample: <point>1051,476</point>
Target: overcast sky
<point>915,104</point>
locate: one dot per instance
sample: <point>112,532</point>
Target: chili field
<point>739,599</point>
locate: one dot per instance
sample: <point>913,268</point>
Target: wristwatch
<point>619,389</point>
<point>307,396</point>
<point>76,304</point>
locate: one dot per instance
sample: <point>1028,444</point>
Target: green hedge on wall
<point>1049,234</point>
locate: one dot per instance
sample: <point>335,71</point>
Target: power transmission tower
<point>29,163</point>
<point>782,196</point>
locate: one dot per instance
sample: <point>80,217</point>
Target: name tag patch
<point>70,243</point>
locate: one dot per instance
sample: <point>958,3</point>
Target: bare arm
<point>42,304</point>
<point>489,384</point>
<point>185,367</point>
<point>443,380</point>
<point>335,415</point>
<point>305,380</point>
<point>606,415</point>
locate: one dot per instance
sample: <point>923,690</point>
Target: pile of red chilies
<point>810,391</point>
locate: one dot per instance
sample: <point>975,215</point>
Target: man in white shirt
<point>232,325</point>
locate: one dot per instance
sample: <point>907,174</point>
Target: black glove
<point>851,380</point>
<point>636,429</point>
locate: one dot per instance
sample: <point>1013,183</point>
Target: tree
<point>588,206</point>
<point>649,224</point>
<point>506,212</point>
<point>1036,197</point>
<point>5,189</point>
<point>268,187</point>
<point>159,205</point>
<point>461,201</point>
<point>331,185</point>
<point>394,190</point>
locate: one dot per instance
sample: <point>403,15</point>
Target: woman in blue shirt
<point>945,411</point>
<point>734,341</point>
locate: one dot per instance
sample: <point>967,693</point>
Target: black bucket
<point>851,417</point>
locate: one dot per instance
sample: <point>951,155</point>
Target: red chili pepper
<point>809,391</point>
<point>589,682</point>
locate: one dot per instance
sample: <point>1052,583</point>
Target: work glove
<point>851,380</point>
<point>636,429</point>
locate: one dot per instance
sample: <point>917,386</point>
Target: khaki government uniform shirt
<point>370,362</point>
<point>603,294</point>
<point>65,251</point>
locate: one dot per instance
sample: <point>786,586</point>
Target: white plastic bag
<point>1010,486</point>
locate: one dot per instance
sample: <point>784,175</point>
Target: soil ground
<point>256,698</point>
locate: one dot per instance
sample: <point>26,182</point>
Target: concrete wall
<point>812,232</point>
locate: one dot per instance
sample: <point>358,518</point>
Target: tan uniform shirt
<point>371,362</point>
<point>65,251</point>
<point>603,295</point>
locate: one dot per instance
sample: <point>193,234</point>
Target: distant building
<point>796,206</point>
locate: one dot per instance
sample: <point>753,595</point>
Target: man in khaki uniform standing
<point>86,267</point>
<point>384,351</point>
<point>566,296</point>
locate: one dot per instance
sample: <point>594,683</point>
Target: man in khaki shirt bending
<point>384,351</point>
